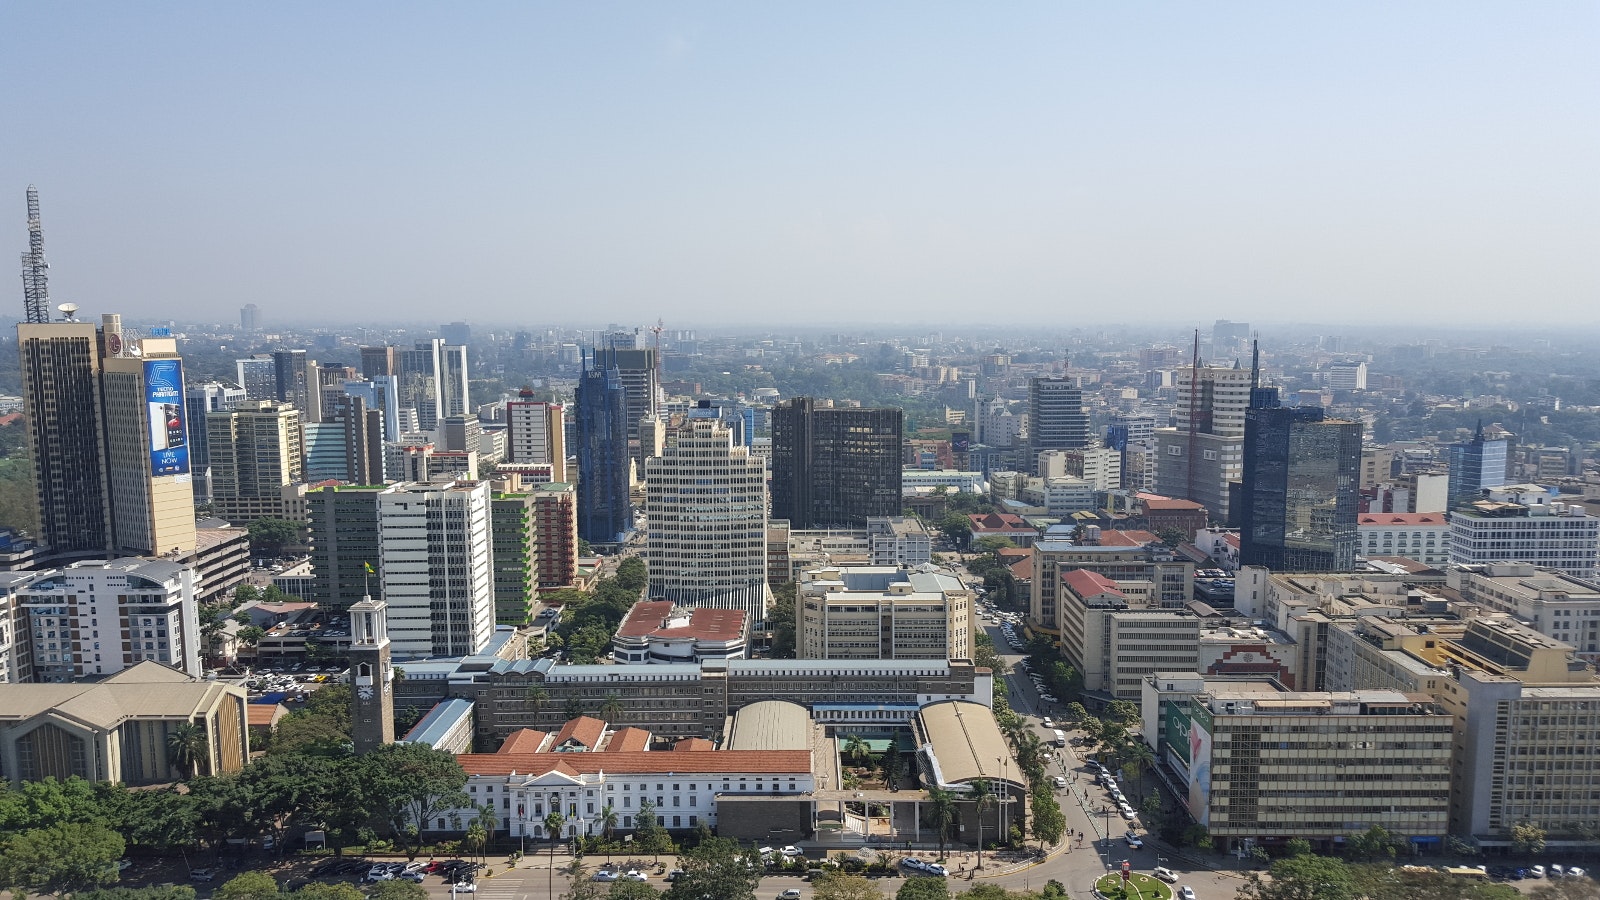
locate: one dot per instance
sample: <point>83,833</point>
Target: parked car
<point>792,851</point>
<point>635,875</point>
<point>1134,843</point>
<point>1536,871</point>
<point>790,894</point>
<point>1575,872</point>
<point>203,874</point>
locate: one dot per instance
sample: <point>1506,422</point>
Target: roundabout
<point>1138,887</point>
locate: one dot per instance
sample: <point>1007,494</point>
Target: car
<point>792,851</point>
<point>1557,872</point>
<point>1536,871</point>
<point>1058,781</point>
<point>203,874</point>
<point>1049,698</point>
<point>1186,893</point>
<point>1575,872</point>
<point>605,875</point>
<point>1165,874</point>
<point>1126,813</point>
<point>414,866</point>
<point>414,877</point>
<point>766,852</point>
<point>464,887</point>
<point>912,863</point>
<point>1134,843</point>
<point>790,894</point>
<point>935,869</point>
<point>675,874</point>
<point>1047,723</point>
<point>379,872</point>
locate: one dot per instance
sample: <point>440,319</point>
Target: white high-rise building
<point>437,567</point>
<point>706,509</point>
<point>536,435</point>
<point>450,378</point>
<point>97,617</point>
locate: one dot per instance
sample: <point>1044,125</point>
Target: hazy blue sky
<point>753,161</point>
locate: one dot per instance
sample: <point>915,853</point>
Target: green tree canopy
<point>248,886</point>
<point>268,537</point>
<point>840,886</point>
<point>1303,878</point>
<point>398,889</point>
<point>61,859</point>
<point>408,784</point>
<point>923,889</point>
<point>632,574</point>
<point>717,868</point>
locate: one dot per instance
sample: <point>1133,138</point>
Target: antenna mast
<point>35,271</point>
<point>1194,416</point>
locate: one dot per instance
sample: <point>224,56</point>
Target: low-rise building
<point>899,541</point>
<point>1554,603</point>
<point>1424,537</point>
<point>1140,565</point>
<point>657,631</point>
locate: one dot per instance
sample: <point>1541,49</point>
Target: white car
<point>1126,813</point>
<point>792,851</point>
<point>203,875</point>
<point>635,875</point>
<point>1165,874</point>
<point>1186,893</point>
<point>1575,872</point>
<point>1536,871</point>
<point>1134,843</point>
<point>604,875</point>
<point>465,887</point>
<point>790,894</point>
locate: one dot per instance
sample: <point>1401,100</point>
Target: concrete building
<point>1552,602</point>
<point>1525,523</point>
<point>514,534</point>
<point>1205,451</point>
<point>1057,419</point>
<point>656,631</point>
<point>555,519</point>
<point>150,496</point>
<point>1113,645</point>
<point>535,434</point>
<point>201,400</point>
<point>256,450</point>
<point>958,744</point>
<point>1424,537</point>
<point>345,541</point>
<point>117,730</point>
<point>258,377</point>
<point>898,541</point>
<point>705,505</point>
<point>1265,767</point>
<point>436,567</point>
<point>1137,562</point>
<point>97,618</point>
<point>871,612</point>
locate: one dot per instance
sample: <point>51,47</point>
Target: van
<point>1061,738</point>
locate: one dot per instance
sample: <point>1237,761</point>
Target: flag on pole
<point>368,567</point>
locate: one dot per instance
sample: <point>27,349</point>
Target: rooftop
<point>771,725</point>
<point>1401,519</point>
<point>687,762</point>
<point>661,618</point>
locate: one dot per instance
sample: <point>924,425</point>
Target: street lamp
<point>1106,811</point>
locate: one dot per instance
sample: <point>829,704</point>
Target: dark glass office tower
<point>605,511</point>
<point>834,467</point>
<point>1057,419</point>
<point>1302,471</point>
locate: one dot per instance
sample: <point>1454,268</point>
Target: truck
<point>1061,738</point>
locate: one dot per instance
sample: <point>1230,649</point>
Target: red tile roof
<point>645,617</point>
<point>1134,538</point>
<point>693,745</point>
<point>586,730</point>
<point>523,740</point>
<point>628,740</point>
<point>649,618</point>
<point>1401,519</point>
<point>700,762</point>
<point>264,715</point>
<point>1085,583</point>
<point>998,522</point>
<point>1156,501</point>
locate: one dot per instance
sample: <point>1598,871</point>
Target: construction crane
<point>35,271</point>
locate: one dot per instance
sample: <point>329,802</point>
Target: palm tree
<point>611,708</point>
<point>979,793</point>
<point>552,828</point>
<point>855,747</point>
<point>536,696</point>
<point>608,821</point>
<point>892,766</point>
<point>187,745</point>
<point>486,822</point>
<point>944,812</point>
<point>574,708</point>
<point>1142,758</point>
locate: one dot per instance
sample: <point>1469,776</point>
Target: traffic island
<point>1137,887</point>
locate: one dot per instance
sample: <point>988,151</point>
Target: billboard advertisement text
<point>169,439</point>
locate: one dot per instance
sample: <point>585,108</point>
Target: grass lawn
<point>1140,887</point>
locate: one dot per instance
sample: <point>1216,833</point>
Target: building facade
<point>1057,419</point>
<point>437,567</point>
<point>1424,537</point>
<point>1476,466</point>
<point>96,618</point>
<point>706,507</point>
<point>834,467</point>
<point>1525,523</point>
<point>605,510</point>
<point>1300,491</point>
<point>536,434</point>
<point>873,612</point>
<point>256,450</point>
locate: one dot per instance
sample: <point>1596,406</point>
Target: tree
<point>269,536</point>
<point>1565,889</point>
<point>1197,836</point>
<point>1527,838</point>
<point>893,765</point>
<point>855,747</point>
<point>536,696</point>
<point>573,708</point>
<point>398,889</point>
<point>632,890</point>
<point>956,527</point>
<point>1374,843</point>
<point>924,889</point>
<point>187,745</point>
<point>632,575</point>
<point>1141,757</point>
<point>1076,711</point>
<point>611,707</point>
<point>983,798</point>
<point>839,886</point>
<point>1049,823</point>
<point>248,886</point>
<point>717,868</point>
<point>316,891</point>
<point>780,618</point>
<point>553,821</point>
<point>648,833</point>
<point>155,892</point>
<point>1297,847</point>
<point>160,820</point>
<point>251,635</point>
<point>408,784</point>
<point>608,823</point>
<point>1303,878</point>
<point>942,809</point>
<point>61,859</point>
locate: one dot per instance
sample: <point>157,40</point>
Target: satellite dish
<point>69,311</point>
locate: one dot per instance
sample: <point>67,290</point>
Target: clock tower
<point>371,676</point>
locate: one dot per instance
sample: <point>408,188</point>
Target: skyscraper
<point>450,377</point>
<point>1205,452</point>
<point>1476,466</point>
<point>605,511</point>
<point>437,567</point>
<point>1298,501</point>
<point>108,440</point>
<point>256,449</point>
<point>296,382</point>
<point>706,511</point>
<point>834,467</point>
<point>1056,417</point>
<point>344,542</point>
<point>636,372</point>
<point>202,399</point>
<point>250,317</point>
<point>258,375</point>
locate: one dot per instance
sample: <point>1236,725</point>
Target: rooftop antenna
<point>1255,364</point>
<point>1194,417</point>
<point>35,271</point>
<point>69,312</point>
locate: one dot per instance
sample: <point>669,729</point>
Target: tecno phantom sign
<point>163,394</point>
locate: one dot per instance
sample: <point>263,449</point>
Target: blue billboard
<point>169,439</point>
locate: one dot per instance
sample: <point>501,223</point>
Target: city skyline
<point>718,165</point>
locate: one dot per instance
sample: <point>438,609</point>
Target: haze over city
<point>729,164</point>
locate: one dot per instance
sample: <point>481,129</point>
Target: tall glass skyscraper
<point>1298,499</point>
<point>835,467</point>
<point>1475,466</point>
<point>605,511</point>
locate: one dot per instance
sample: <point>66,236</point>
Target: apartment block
<point>96,618</point>
<point>437,567</point>
<point>256,449</point>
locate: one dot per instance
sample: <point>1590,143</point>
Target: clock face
<point>365,692</point>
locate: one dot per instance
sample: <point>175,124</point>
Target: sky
<point>545,164</point>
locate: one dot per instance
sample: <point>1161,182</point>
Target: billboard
<point>163,395</point>
<point>1200,725</point>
